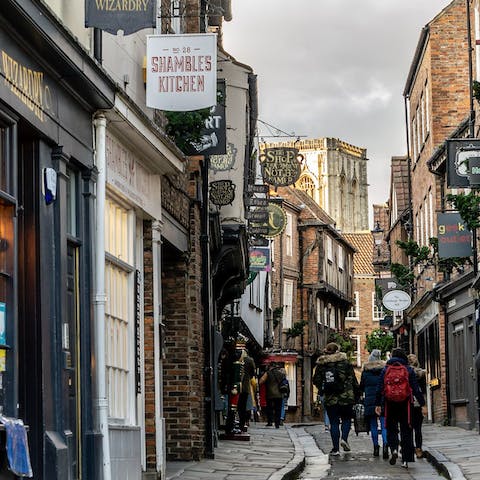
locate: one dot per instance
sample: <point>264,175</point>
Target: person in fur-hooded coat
<point>335,379</point>
<point>417,415</point>
<point>368,385</point>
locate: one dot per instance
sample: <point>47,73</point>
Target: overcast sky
<point>333,68</point>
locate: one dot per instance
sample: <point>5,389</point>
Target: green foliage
<point>297,329</point>
<point>468,206</point>
<point>403,274</point>
<point>476,90</point>
<point>186,128</point>
<point>277,316</point>
<point>344,339</point>
<point>412,249</point>
<point>380,339</point>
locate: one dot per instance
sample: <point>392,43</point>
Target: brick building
<point>437,97</point>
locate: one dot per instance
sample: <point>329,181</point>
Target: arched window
<point>307,184</point>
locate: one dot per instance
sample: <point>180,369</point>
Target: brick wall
<point>149,349</point>
<point>184,350</point>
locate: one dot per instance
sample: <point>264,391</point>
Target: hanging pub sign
<point>182,71</point>
<point>257,188</point>
<point>221,192</point>
<point>126,15</point>
<point>259,259</point>
<point>213,138</point>
<point>257,202</point>
<point>275,224</point>
<point>454,238</point>
<point>221,163</point>
<point>461,152</point>
<point>281,166</point>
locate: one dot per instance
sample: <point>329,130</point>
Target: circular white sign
<point>396,300</point>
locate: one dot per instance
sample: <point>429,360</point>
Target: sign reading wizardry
<point>114,15</point>
<point>281,166</point>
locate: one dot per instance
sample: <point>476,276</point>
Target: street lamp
<point>377,233</point>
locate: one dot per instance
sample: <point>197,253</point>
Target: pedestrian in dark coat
<point>368,385</point>
<point>398,414</point>
<point>272,378</point>
<point>417,414</point>
<point>335,379</point>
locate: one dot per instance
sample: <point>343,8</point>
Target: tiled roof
<point>363,257</point>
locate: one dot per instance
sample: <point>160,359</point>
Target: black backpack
<point>334,378</point>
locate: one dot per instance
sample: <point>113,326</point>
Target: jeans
<point>339,414</point>
<point>373,423</point>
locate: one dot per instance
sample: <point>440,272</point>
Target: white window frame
<point>329,242</point>
<point>357,352</point>
<point>319,311</point>
<point>291,371</point>
<point>287,304</point>
<point>353,315</point>
<point>341,258</point>
<point>119,312</point>
<point>377,312</point>
<point>289,235</point>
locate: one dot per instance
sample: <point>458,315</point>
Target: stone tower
<point>334,174</point>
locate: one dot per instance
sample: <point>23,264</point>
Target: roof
<point>363,257</point>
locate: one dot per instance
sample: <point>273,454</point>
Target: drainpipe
<point>101,402</point>
<point>158,366</point>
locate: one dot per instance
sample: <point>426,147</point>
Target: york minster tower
<point>334,174</point>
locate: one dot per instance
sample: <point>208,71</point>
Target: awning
<point>280,357</point>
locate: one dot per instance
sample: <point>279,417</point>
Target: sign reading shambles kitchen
<point>182,71</point>
<point>114,15</point>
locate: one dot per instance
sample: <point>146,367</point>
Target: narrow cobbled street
<point>359,463</point>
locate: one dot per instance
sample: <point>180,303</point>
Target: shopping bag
<point>359,420</point>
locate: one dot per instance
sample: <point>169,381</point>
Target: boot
<point>376,450</point>
<point>385,452</point>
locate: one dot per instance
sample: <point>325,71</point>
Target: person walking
<point>335,379</point>
<point>417,414</point>
<point>272,379</point>
<point>395,388</point>
<point>368,385</point>
<point>245,400</point>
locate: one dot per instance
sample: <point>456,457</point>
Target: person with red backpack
<point>396,389</point>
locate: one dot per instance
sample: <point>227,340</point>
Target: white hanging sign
<point>182,71</point>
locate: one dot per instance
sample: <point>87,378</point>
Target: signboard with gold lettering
<point>114,15</point>
<point>281,166</point>
<point>221,192</point>
<point>182,71</point>
<point>28,84</point>
<point>275,224</point>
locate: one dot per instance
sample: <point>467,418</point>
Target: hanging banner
<point>182,71</point>
<point>114,15</point>
<point>259,259</point>
<point>454,238</point>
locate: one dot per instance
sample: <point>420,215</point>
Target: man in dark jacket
<point>335,379</point>
<point>272,379</point>
<point>398,413</point>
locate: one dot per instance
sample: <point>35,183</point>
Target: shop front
<point>46,212</point>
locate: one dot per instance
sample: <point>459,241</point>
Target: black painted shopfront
<point>49,90</point>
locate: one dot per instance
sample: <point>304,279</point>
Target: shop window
<point>119,317</point>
